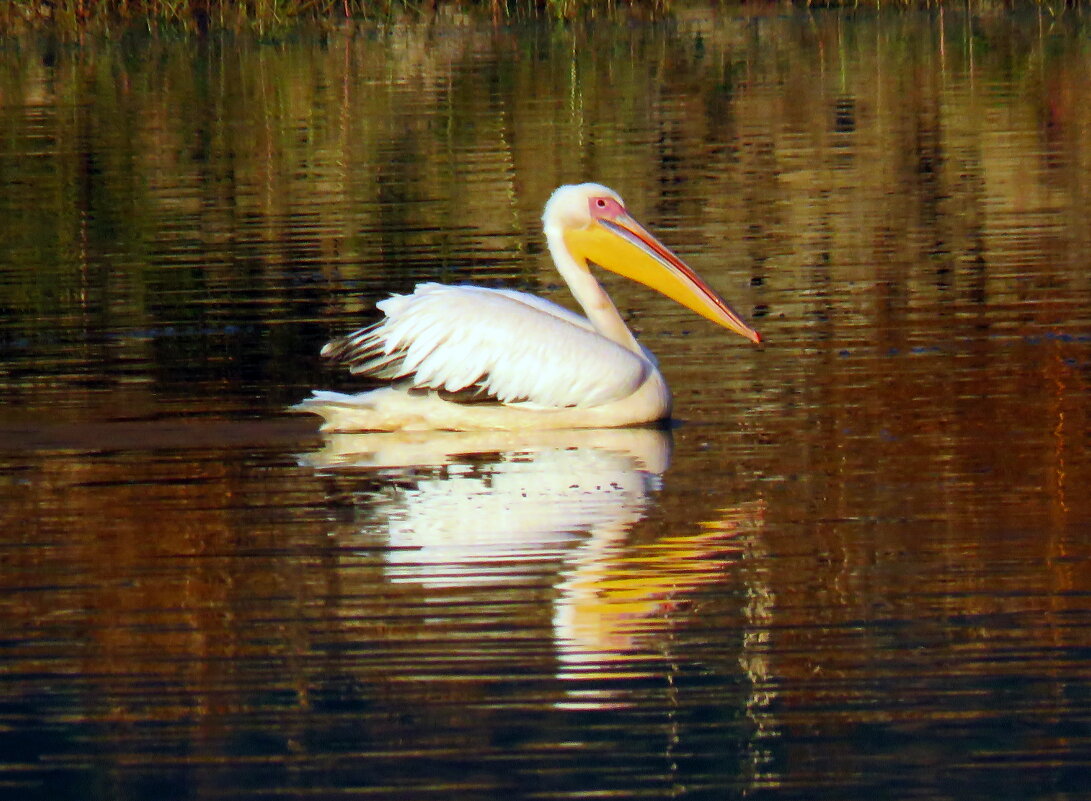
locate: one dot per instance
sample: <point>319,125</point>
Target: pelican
<point>465,358</point>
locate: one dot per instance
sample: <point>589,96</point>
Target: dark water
<point>858,567</point>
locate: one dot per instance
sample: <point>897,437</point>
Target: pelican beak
<point>620,244</point>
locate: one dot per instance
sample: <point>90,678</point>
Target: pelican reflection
<point>498,512</point>
<point>491,507</point>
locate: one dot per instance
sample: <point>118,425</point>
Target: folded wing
<point>513,347</point>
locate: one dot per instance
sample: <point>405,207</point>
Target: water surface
<point>856,565</point>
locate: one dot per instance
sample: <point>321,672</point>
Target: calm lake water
<point>856,567</point>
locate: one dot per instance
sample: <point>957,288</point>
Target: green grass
<point>75,16</point>
<point>196,15</point>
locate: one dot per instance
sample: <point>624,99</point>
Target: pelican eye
<point>605,208</point>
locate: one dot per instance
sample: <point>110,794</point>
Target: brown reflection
<point>137,576</point>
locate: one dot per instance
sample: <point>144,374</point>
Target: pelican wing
<point>515,347</point>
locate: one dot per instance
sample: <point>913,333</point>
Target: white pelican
<point>521,362</point>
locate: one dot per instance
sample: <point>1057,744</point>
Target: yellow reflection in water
<point>615,595</point>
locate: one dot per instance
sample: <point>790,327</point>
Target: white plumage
<point>528,363</point>
<point>519,349</point>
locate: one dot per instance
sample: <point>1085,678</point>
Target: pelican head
<point>594,226</point>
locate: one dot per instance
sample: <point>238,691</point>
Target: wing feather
<point>515,347</point>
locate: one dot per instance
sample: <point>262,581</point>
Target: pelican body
<point>466,358</point>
